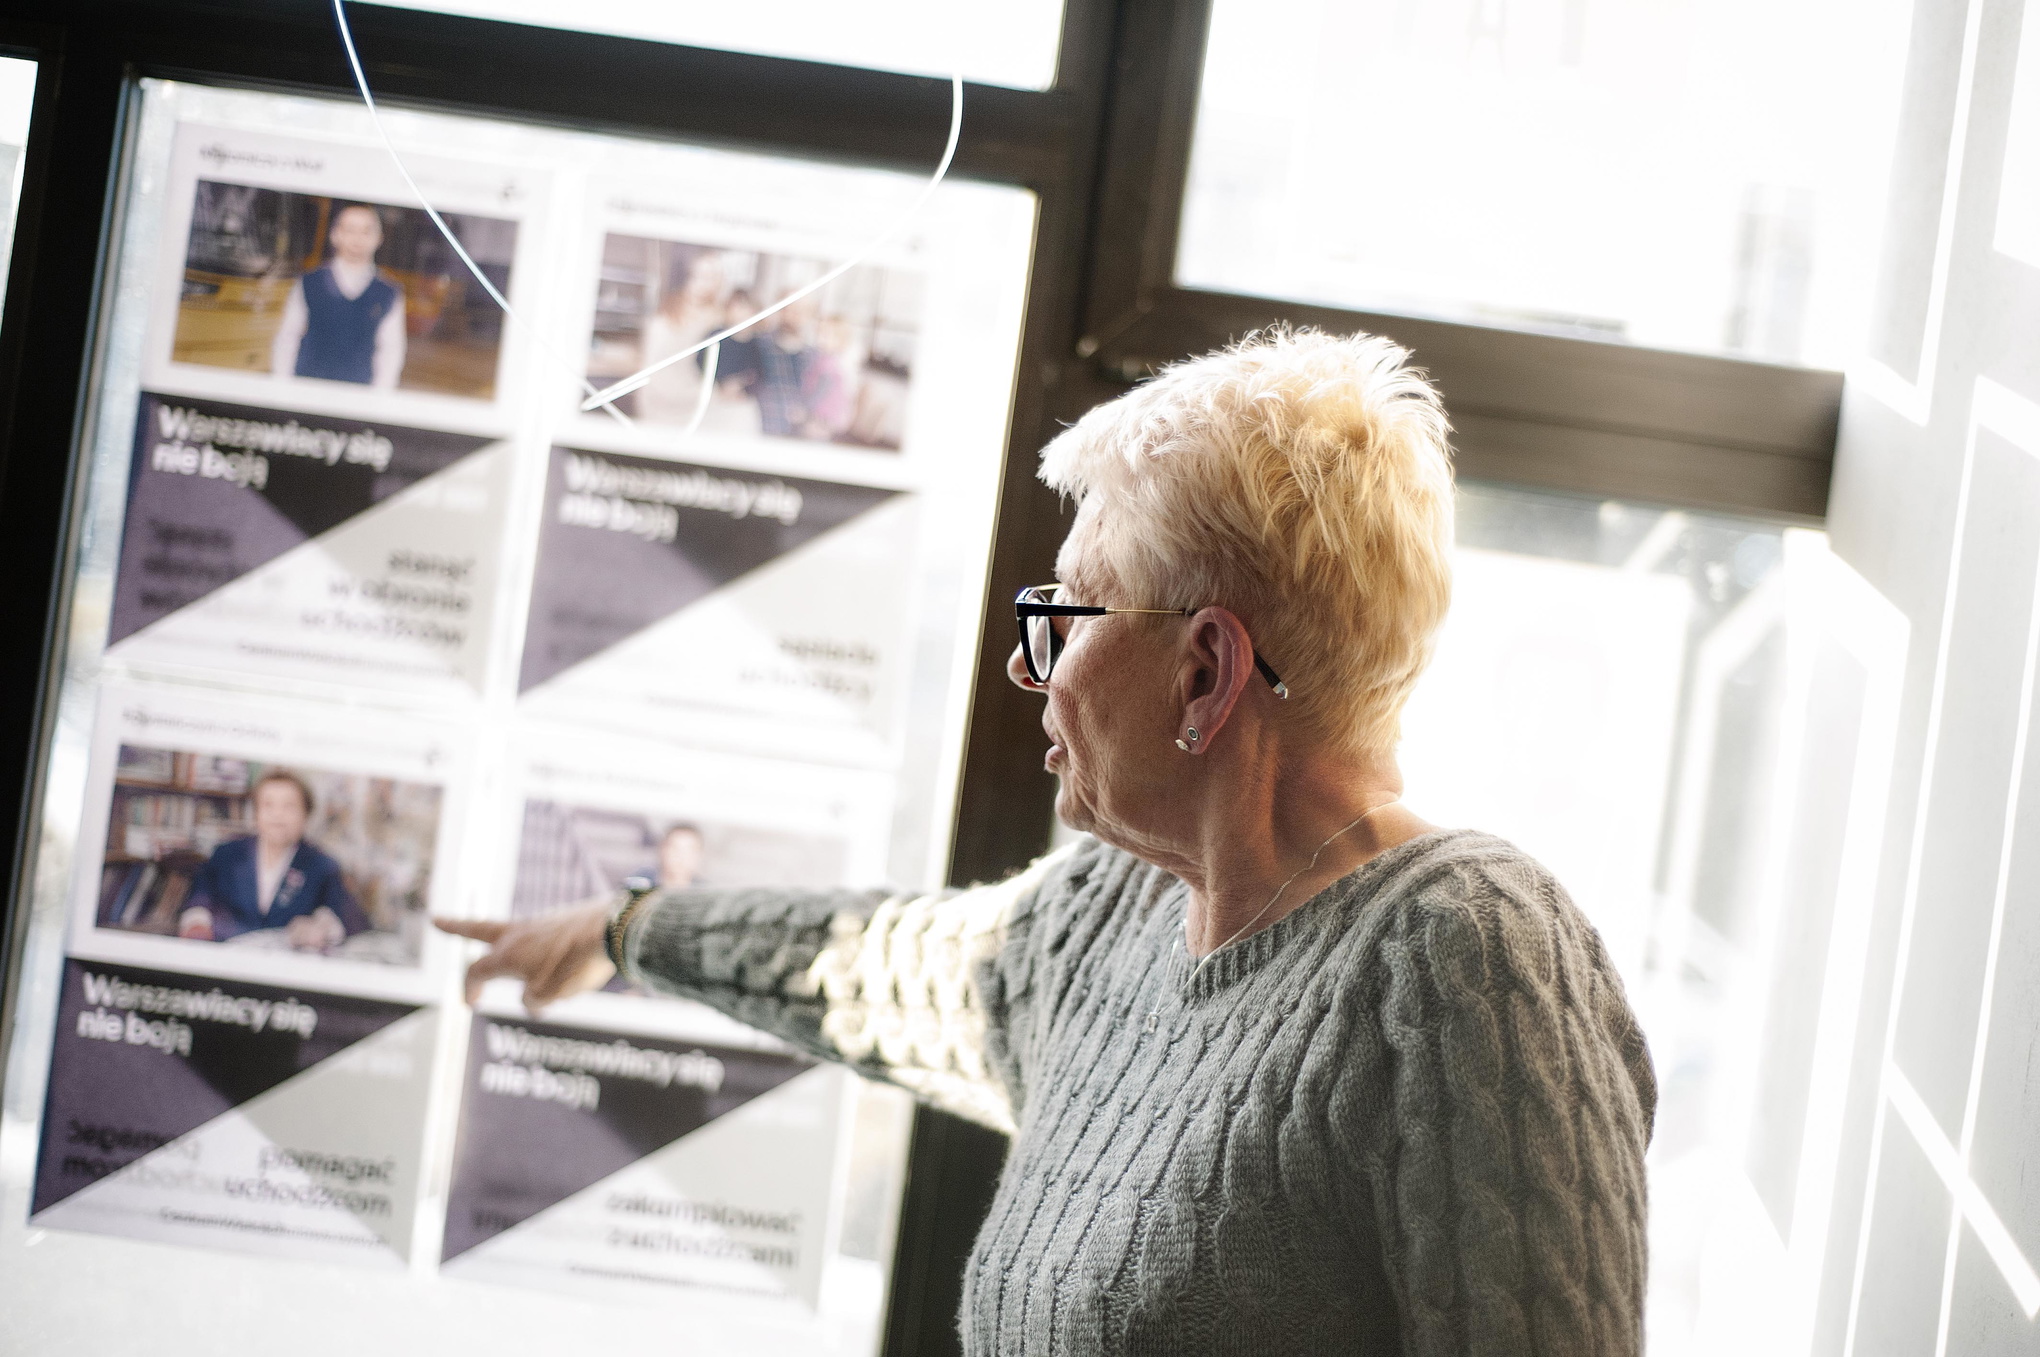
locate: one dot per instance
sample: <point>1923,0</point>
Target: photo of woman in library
<point>218,849</point>
<point>273,878</point>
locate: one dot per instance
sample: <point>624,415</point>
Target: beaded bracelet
<point>637,891</point>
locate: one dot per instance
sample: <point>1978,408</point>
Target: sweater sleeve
<point>914,989</point>
<point>1515,1102</point>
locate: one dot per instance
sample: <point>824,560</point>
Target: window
<point>17,94</point>
<point>1691,177</point>
<point>1012,43</point>
<point>1689,718</point>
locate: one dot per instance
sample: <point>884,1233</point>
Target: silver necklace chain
<point>1305,870</point>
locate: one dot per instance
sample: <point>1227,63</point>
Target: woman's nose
<point>1016,670</point>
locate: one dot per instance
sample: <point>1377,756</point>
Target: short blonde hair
<point>1301,479</point>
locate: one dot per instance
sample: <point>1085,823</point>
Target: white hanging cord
<point>638,379</point>
<point>375,117</point>
<point>708,364</point>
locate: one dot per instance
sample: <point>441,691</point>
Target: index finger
<point>481,930</point>
<point>485,968</point>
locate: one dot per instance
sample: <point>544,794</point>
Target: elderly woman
<point>1287,1069</point>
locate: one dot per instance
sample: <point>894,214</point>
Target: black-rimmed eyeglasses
<point>1041,641</point>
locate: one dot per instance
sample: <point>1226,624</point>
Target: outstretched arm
<point>898,986</point>
<point>906,988</point>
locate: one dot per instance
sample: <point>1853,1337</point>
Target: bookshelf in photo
<point>169,811</point>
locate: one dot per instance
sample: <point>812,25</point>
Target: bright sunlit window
<point>17,97</point>
<point>1013,43</point>
<point>1627,693</point>
<point>1697,177</point>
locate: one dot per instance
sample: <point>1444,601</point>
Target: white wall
<point>1930,1242</point>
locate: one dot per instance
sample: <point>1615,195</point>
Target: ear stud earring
<point>1193,740</point>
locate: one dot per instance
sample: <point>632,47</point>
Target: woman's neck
<point>1262,846</point>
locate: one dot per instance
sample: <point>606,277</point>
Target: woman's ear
<point>1218,662</point>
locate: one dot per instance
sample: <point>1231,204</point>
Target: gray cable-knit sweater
<point>1409,1117</point>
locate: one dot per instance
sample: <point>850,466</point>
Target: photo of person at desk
<point>344,321</point>
<point>273,879</point>
<point>681,850</point>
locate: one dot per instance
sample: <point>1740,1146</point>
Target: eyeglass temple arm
<point>1281,688</point>
<point>1046,609</point>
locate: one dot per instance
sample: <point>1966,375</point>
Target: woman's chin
<point>1071,810</point>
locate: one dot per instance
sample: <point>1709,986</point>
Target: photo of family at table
<point>832,367</point>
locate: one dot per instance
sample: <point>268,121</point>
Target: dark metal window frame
<point>1106,151</point>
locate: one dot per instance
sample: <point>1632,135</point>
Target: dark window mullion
<point>1690,430</point>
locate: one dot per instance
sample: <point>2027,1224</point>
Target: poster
<point>634,1143</point>
<point>261,541</point>
<point>598,1162</point>
<point>772,598</point>
<point>236,1116</point>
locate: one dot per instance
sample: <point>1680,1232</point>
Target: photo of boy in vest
<point>344,321</point>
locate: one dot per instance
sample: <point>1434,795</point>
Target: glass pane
<point>1684,716</point>
<point>1683,176</point>
<point>1013,43</point>
<point>363,590</point>
<point>17,98</point>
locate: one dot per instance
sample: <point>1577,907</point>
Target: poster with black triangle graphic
<point>193,1110</point>
<point>309,546</point>
<point>598,1163</point>
<point>668,595</point>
